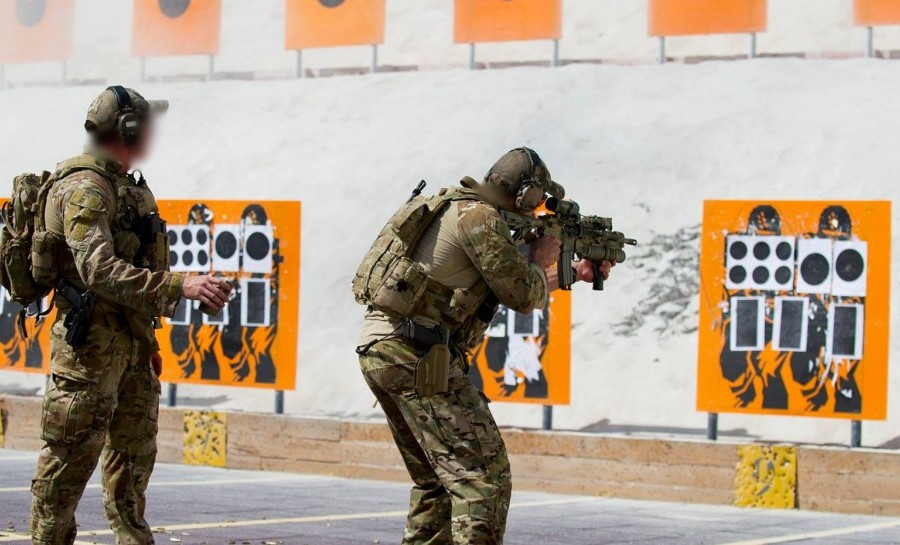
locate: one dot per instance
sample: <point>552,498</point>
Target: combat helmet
<point>521,172</point>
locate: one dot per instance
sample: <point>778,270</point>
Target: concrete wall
<point>828,479</point>
<point>420,33</point>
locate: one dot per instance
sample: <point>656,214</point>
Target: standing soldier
<point>115,284</point>
<point>432,282</point>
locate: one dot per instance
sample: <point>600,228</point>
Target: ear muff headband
<point>531,193</point>
<point>128,122</point>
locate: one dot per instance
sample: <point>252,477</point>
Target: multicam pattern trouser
<point>103,397</point>
<point>452,450</point>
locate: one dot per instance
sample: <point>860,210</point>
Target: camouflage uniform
<point>449,442</point>
<point>103,396</point>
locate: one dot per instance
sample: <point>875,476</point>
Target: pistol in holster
<point>79,318</point>
<point>432,369</point>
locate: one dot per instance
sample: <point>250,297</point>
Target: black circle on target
<point>226,244</point>
<point>737,275</point>
<point>849,265</point>
<point>257,246</point>
<point>814,269</point>
<point>187,237</point>
<point>760,275</point>
<point>30,12</point>
<point>783,275</point>
<point>738,250</point>
<point>202,258</point>
<point>761,250</point>
<point>174,8</point>
<point>783,251</point>
<point>173,258</point>
<point>173,237</point>
<point>331,3</point>
<point>187,258</point>
<point>201,237</point>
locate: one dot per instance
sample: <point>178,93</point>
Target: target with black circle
<point>759,262</point>
<point>258,243</point>
<point>226,249</point>
<point>850,268</point>
<point>30,12</point>
<point>189,248</point>
<point>814,256</point>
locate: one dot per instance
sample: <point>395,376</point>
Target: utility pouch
<point>46,249</point>
<point>402,288</point>
<point>433,371</point>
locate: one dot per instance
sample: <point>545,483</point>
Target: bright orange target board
<point>526,357</point>
<point>876,12</point>
<point>691,17</point>
<point>331,23</point>
<point>253,341</point>
<point>794,308</point>
<point>176,27</point>
<point>507,20</point>
<point>36,30</point>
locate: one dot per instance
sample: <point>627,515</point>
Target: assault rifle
<point>583,237</point>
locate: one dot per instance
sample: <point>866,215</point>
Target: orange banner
<point>36,30</point>
<point>331,23</point>
<point>794,308</point>
<point>253,342</point>
<point>176,27</point>
<point>526,357</point>
<point>685,17</point>
<point>507,20</point>
<point>876,12</point>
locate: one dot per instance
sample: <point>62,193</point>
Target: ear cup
<point>128,123</point>
<point>530,196</point>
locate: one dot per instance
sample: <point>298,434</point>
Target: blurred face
<point>144,147</point>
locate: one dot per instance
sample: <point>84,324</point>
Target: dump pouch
<point>401,288</point>
<point>433,371</point>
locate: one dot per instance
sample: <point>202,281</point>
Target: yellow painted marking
<point>290,520</point>
<point>205,438</point>
<point>766,477</point>
<point>847,530</point>
<point>172,483</point>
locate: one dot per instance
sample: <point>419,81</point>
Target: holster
<point>433,371</point>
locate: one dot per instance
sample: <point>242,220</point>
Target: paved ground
<point>199,505</point>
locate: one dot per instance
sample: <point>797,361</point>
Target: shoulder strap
<point>64,170</point>
<point>444,198</point>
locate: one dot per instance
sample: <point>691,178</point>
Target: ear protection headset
<point>531,192</point>
<point>128,122</point>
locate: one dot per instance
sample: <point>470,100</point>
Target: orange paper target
<point>253,341</point>
<point>526,357</point>
<point>36,30</point>
<point>176,27</point>
<point>507,20</point>
<point>794,308</point>
<point>876,12</point>
<point>331,23</point>
<point>685,17</point>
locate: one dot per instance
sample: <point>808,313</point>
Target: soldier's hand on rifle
<point>584,270</point>
<point>544,251</point>
<point>211,291</point>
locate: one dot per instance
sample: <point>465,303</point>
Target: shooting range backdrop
<point>794,309</point>
<point>253,342</point>
<point>526,358</point>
